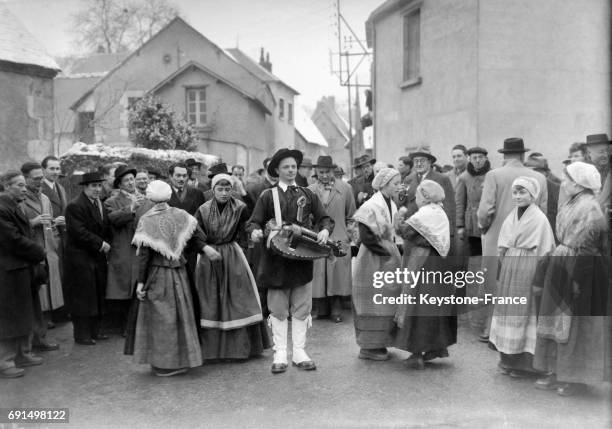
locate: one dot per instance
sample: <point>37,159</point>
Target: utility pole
<point>344,72</point>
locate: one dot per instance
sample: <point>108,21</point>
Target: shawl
<point>166,230</point>
<point>220,225</point>
<point>432,223</point>
<point>532,232</point>
<point>374,214</point>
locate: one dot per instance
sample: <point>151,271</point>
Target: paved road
<point>103,388</point>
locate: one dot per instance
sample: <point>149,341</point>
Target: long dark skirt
<point>239,344</point>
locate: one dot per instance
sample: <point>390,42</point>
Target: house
<point>308,138</point>
<point>78,75</point>
<point>335,130</point>
<point>471,72</point>
<point>281,124</point>
<point>227,104</point>
<point>26,95</point>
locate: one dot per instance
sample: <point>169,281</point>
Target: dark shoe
<point>548,382</point>
<point>169,372</point>
<point>483,338</point>
<point>374,354</point>
<point>431,355</point>
<point>571,389</point>
<point>321,317</point>
<point>86,342</point>
<point>278,368</point>
<point>504,370</point>
<point>46,347</point>
<point>415,362</point>
<point>101,337</point>
<point>28,360</point>
<point>12,372</point>
<point>519,374</point>
<point>50,325</point>
<point>307,365</point>
<point>336,319</point>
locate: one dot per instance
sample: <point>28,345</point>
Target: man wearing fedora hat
<point>422,161</point>
<point>124,208</point>
<point>600,153</point>
<point>362,182</point>
<point>304,173</point>
<point>288,281</point>
<point>196,173</point>
<point>495,205</point>
<point>331,280</point>
<point>85,268</point>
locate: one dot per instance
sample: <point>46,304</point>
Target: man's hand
<point>43,219</point>
<point>362,196</point>
<point>105,247</point>
<point>256,235</point>
<point>212,254</point>
<point>322,236</point>
<point>140,294</point>
<point>60,221</point>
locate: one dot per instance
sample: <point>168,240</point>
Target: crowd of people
<point>185,266</point>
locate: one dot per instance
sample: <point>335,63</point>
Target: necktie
<point>98,205</point>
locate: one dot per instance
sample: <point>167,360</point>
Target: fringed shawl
<point>432,223</point>
<point>166,230</point>
<point>532,232</point>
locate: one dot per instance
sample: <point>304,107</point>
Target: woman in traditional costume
<point>377,253</point>
<point>425,330</point>
<point>166,335</point>
<point>231,321</point>
<point>525,237</point>
<point>573,335</point>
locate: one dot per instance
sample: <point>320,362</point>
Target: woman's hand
<point>140,293</point>
<point>212,254</point>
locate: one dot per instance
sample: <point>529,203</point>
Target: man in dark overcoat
<point>87,244</point>
<point>289,282</point>
<point>184,197</point>
<point>20,256</point>
<point>362,183</point>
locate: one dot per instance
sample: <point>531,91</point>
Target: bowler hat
<point>93,177</point>
<point>279,156</point>
<point>477,149</point>
<point>423,152</point>
<point>597,139</point>
<point>513,145</point>
<point>121,171</point>
<point>306,162</point>
<point>363,160</point>
<point>220,168</point>
<point>190,162</point>
<point>324,161</point>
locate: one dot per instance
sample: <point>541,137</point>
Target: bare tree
<point>119,25</point>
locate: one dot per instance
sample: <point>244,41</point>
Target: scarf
<point>532,231</point>
<point>473,172</point>
<point>166,230</point>
<point>432,223</point>
<point>374,214</point>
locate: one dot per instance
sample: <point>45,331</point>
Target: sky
<point>298,34</point>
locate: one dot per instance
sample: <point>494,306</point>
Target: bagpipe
<point>293,241</point>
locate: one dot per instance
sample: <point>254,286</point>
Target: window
<point>281,108</point>
<point>412,48</point>
<point>131,101</point>
<point>290,113</point>
<point>196,106</point>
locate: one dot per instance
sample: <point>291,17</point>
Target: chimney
<point>261,57</point>
<point>268,63</point>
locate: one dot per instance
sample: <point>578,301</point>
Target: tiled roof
<point>95,65</point>
<point>253,67</point>
<point>17,45</point>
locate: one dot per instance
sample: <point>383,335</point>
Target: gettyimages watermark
<point>550,286</point>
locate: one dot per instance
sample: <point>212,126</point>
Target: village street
<point>103,388</point>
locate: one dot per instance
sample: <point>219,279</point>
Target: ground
<point>103,388</point>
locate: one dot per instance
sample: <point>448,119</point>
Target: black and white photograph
<point>306,214</point>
